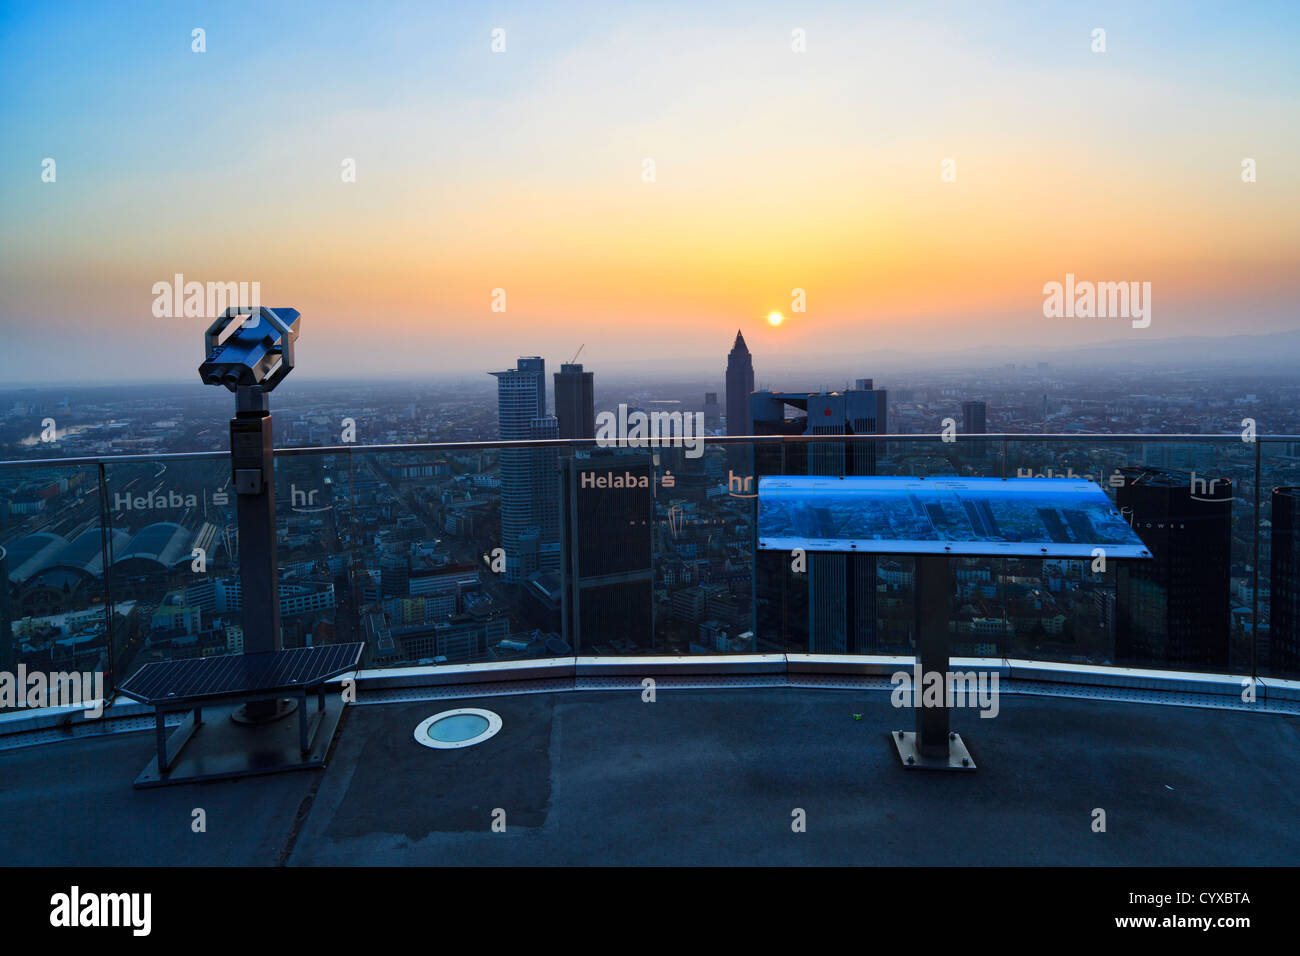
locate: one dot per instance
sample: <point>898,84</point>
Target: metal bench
<point>190,685</point>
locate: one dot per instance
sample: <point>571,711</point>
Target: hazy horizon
<point>1190,351</point>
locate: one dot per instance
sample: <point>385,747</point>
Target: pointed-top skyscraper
<point>740,383</point>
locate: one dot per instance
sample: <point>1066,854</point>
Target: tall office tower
<point>841,587</point>
<point>575,402</point>
<point>973,423</point>
<point>861,410</point>
<point>521,398</point>
<point>712,413</point>
<point>1173,610</point>
<point>608,574</point>
<point>535,365</point>
<point>740,383</point>
<point>8,650</point>
<point>1284,584</point>
<point>544,485</point>
<point>529,509</point>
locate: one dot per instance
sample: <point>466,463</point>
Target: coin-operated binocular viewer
<point>250,351</point>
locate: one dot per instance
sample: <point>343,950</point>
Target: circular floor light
<point>457,728</point>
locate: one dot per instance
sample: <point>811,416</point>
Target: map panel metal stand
<point>934,519</point>
<point>932,746</point>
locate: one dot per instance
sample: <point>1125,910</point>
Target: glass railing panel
<point>433,578</point>
<point>1063,610</point>
<point>1277,640</point>
<point>525,553</point>
<point>314,535</point>
<point>1191,501</point>
<point>173,562</point>
<point>1235,462</point>
<point>446,555</point>
<point>824,603</point>
<point>1181,614</point>
<point>704,573</point>
<point>55,620</point>
<point>925,456</point>
<point>977,623</point>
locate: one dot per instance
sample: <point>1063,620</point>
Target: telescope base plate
<point>221,749</point>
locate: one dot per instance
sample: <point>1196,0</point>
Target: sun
<point>775,318</point>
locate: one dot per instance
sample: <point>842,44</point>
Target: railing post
<point>106,557</point>
<point>352,560</point>
<point>1254,614</point>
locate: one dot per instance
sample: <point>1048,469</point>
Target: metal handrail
<point>297,450</point>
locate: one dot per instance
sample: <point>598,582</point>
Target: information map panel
<point>996,517</point>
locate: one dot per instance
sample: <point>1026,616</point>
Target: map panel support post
<point>932,746</point>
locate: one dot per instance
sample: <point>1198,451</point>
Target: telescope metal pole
<point>253,473</point>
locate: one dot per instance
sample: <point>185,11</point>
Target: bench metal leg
<point>304,744</point>
<point>179,738</point>
<point>160,734</point>
<point>307,726</point>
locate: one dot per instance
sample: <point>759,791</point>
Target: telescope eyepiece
<point>258,350</point>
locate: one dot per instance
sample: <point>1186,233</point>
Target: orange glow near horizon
<point>925,220</point>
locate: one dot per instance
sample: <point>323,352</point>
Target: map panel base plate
<point>958,757</point>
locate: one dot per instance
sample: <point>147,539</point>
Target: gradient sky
<point>522,171</point>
